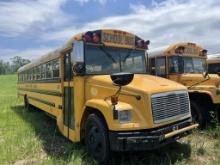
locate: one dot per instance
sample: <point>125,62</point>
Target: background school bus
<point>213,61</point>
<point>186,63</point>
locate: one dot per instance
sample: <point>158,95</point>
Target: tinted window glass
<point>107,60</point>
<point>49,70</point>
<point>56,68</point>
<point>152,66</point>
<point>38,74</point>
<point>161,66</point>
<point>214,68</point>
<point>43,71</point>
<point>194,65</point>
<point>173,64</point>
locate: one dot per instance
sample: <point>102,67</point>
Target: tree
<point>17,62</point>
<point>2,69</point>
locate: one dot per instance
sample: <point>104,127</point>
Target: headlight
<point>124,116</point>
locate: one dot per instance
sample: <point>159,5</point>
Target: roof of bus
<point>164,50</point>
<point>213,58</point>
<point>56,53</point>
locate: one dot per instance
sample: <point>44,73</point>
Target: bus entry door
<point>68,101</point>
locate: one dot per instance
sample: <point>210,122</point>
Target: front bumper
<point>149,139</point>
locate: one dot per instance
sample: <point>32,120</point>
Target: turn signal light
<point>203,52</point>
<point>114,100</point>
<point>93,37</point>
<point>87,37</point>
<point>96,37</point>
<point>142,44</point>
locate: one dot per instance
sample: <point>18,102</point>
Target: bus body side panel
<point>39,96</point>
<point>78,101</point>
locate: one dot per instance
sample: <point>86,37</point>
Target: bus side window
<point>38,73</point>
<point>161,66</point>
<point>152,66</point>
<point>33,73</point>
<point>48,70</point>
<point>56,68</point>
<point>43,71</point>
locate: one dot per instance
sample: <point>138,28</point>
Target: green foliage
<point>16,62</point>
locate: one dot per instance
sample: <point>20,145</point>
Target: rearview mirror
<point>77,57</point>
<point>119,79</point>
<point>205,74</point>
<point>122,79</point>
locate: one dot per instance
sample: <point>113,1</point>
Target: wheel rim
<point>95,141</point>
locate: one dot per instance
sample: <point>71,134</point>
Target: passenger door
<point>68,101</point>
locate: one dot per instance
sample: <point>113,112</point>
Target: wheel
<point>96,139</point>
<point>26,104</point>
<point>199,114</point>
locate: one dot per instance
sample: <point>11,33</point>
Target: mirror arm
<point>199,83</point>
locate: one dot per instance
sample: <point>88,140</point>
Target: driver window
<point>161,66</point>
<point>67,67</point>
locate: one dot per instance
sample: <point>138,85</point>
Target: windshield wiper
<point>202,81</point>
<point>107,54</point>
<point>128,55</point>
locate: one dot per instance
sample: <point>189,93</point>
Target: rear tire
<point>26,103</point>
<point>199,114</point>
<point>96,139</point>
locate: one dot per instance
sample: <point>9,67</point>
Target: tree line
<point>12,66</point>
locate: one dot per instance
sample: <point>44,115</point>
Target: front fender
<point>105,108</point>
<point>210,91</point>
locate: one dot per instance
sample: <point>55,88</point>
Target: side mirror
<point>77,57</point>
<point>122,79</point>
<point>119,79</point>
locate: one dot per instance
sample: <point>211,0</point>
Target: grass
<point>31,137</point>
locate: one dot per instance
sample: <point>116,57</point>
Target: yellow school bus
<point>213,63</point>
<point>83,85</point>
<point>186,63</point>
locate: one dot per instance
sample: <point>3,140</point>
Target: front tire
<point>199,114</point>
<point>96,139</point>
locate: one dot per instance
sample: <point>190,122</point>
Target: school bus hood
<point>141,83</point>
<point>199,79</point>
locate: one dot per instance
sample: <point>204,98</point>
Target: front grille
<point>169,105</point>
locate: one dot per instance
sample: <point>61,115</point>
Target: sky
<point>32,28</point>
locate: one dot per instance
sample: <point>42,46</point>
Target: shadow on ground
<point>58,147</point>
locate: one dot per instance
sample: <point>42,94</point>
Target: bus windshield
<point>178,64</point>
<point>108,60</point>
<point>194,65</point>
